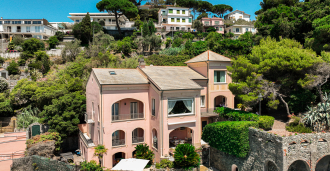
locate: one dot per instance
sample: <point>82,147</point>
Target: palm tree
<point>221,9</point>
<point>100,150</point>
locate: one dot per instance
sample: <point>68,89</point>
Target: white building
<point>58,25</point>
<point>38,28</point>
<point>237,14</point>
<point>175,18</point>
<point>109,19</point>
<point>240,29</point>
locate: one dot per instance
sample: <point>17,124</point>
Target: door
<point>134,109</point>
<point>204,123</point>
<point>18,29</point>
<point>35,130</point>
<point>9,28</point>
<point>115,111</point>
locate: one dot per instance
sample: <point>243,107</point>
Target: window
<point>220,28</point>
<point>206,23</point>
<point>183,11</point>
<point>163,13</point>
<point>229,30</point>
<point>202,101</point>
<point>109,20</point>
<point>237,29</point>
<point>93,111</point>
<point>153,110</point>
<point>99,116</point>
<point>77,21</point>
<point>37,29</point>
<point>217,28</point>
<point>36,22</point>
<point>240,16</point>
<point>189,20</point>
<point>6,22</point>
<point>16,22</point>
<point>115,111</point>
<point>164,20</point>
<point>0,22</point>
<point>219,76</point>
<point>172,20</point>
<point>177,11</point>
<point>178,20</point>
<point>216,22</point>
<point>177,28</point>
<point>180,106</point>
<point>112,72</point>
<point>183,20</point>
<point>170,11</point>
<point>252,29</point>
<point>246,29</point>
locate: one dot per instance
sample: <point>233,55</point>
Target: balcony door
<point>134,109</point>
<point>115,111</point>
<point>9,28</point>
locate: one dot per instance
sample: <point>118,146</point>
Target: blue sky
<point>58,10</point>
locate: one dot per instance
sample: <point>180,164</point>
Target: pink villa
<point>215,22</point>
<point>161,106</point>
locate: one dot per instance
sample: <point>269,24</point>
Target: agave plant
<point>318,117</point>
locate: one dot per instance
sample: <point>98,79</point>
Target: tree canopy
<point>221,9</point>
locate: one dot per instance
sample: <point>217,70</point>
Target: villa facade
<point>237,14</point>
<point>37,28</point>
<point>240,29</point>
<point>214,22</point>
<point>161,106</point>
<point>175,19</point>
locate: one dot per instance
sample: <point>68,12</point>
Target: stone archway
<point>270,166</point>
<point>299,165</point>
<point>323,164</point>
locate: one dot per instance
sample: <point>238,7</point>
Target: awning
<point>131,164</point>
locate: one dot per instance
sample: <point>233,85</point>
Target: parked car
<point>12,51</point>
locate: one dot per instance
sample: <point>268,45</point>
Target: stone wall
<point>270,152</point>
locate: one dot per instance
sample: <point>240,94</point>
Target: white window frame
<point>225,77</point>
<point>153,107</point>
<point>202,100</point>
<point>182,114</point>
<point>236,30</point>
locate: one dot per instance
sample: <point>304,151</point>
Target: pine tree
<point>85,29</point>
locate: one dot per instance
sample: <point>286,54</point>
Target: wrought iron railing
<point>127,116</point>
<point>137,139</point>
<point>118,142</point>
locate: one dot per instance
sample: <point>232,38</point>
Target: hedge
<point>266,122</point>
<point>231,137</point>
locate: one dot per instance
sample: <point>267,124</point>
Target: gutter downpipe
<point>161,124</point>
<point>101,120</point>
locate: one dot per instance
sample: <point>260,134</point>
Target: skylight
<point>112,72</point>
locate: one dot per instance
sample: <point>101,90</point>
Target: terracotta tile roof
<point>173,78</point>
<point>122,76</point>
<point>209,56</point>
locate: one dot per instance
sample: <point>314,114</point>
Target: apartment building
<point>241,29</point>
<point>214,22</point>
<point>37,28</point>
<point>109,19</point>
<point>175,19</point>
<point>161,106</point>
<point>237,14</point>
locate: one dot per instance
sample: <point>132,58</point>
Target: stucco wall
<point>155,120</point>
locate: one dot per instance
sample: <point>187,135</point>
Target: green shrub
<point>2,60</point>
<point>48,136</point>
<point>231,137</point>
<point>143,152</point>
<point>165,163</point>
<point>13,68</point>
<point>236,115</point>
<point>167,60</point>
<point>186,157</point>
<point>298,128</point>
<point>172,51</point>
<point>266,122</point>
<point>92,165</point>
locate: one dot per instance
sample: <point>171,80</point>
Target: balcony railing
<point>118,142</point>
<point>18,30</point>
<point>85,140</point>
<point>121,117</point>
<point>137,139</point>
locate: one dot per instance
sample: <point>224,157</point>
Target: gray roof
<point>209,56</point>
<point>173,77</point>
<point>123,76</point>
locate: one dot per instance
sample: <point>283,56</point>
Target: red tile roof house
<point>215,22</point>
<point>161,106</point>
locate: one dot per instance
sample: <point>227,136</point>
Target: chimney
<point>142,64</point>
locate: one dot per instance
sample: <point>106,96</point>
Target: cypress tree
<point>145,29</point>
<point>152,28</point>
<point>86,29</point>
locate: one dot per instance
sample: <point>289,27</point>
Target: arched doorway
<point>127,109</point>
<point>117,157</point>
<point>234,167</point>
<point>270,166</point>
<point>154,138</point>
<point>323,164</point>
<point>299,165</point>
<point>138,135</point>
<point>181,135</point>
<point>134,154</point>
<point>118,138</point>
<point>220,101</point>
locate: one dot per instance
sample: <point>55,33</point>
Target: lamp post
<point>259,98</point>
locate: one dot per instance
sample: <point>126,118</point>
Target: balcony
<point>127,109</point>
<point>118,142</point>
<point>88,141</point>
<point>89,117</point>
<point>137,139</point>
<point>207,112</point>
<point>18,30</point>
